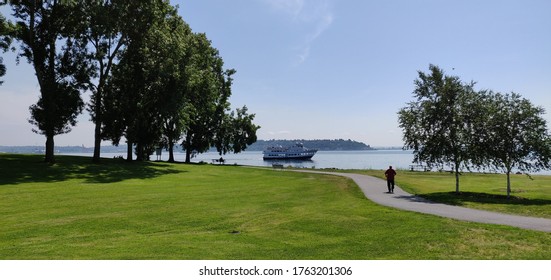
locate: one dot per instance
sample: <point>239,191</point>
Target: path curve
<point>375,190</point>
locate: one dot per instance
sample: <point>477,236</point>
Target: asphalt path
<point>376,190</point>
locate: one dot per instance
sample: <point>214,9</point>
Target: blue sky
<point>323,69</point>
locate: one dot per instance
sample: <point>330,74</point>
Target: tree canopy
<point>5,42</point>
<point>515,134</point>
<point>451,124</point>
<point>45,32</point>
<point>436,125</point>
<point>103,30</point>
<point>152,80</point>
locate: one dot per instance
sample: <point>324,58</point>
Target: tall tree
<point>144,88</point>
<point>236,132</point>
<point>104,28</point>
<point>436,125</point>
<point>223,119</point>
<point>206,87</point>
<point>232,133</point>
<point>5,41</point>
<point>174,79</point>
<point>120,104</point>
<point>516,135</point>
<point>45,31</point>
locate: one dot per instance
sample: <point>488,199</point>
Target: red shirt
<point>390,173</point>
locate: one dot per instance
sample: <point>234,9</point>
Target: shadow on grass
<point>460,199</point>
<point>15,169</point>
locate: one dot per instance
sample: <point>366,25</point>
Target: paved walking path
<point>375,189</point>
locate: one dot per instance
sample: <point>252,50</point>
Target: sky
<point>330,69</point>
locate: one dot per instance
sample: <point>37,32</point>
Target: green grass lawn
<point>529,197</point>
<point>118,210</point>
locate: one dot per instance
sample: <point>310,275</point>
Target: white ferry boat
<point>297,151</point>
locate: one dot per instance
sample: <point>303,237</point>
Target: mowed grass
<point>118,210</point>
<point>530,196</point>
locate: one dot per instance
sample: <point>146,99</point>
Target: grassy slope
<point>530,196</point>
<point>115,210</point>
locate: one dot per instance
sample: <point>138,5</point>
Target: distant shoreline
<point>322,145</point>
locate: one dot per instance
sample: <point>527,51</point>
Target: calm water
<point>378,159</point>
<point>375,159</point>
<point>325,159</point>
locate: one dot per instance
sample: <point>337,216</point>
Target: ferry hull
<point>296,152</point>
<point>305,157</point>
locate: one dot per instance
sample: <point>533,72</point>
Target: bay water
<point>367,159</point>
<point>370,159</point>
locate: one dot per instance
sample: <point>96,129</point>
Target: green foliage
<point>152,80</point>
<point>515,134</point>
<point>148,87</point>
<point>237,132</point>
<point>244,130</point>
<point>45,32</point>
<point>211,125</point>
<point>55,115</point>
<point>436,125</point>
<point>2,70</point>
<point>451,124</point>
<point>103,31</point>
<point>170,83</point>
<point>119,210</point>
<point>5,41</point>
<point>175,78</point>
<point>206,85</point>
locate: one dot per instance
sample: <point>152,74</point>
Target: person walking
<point>389,174</point>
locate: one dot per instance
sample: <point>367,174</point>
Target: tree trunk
<point>187,146</point>
<point>508,184</point>
<point>49,158</point>
<point>129,151</point>
<point>188,156</point>
<point>170,151</point>
<point>456,179</point>
<point>97,131</point>
<point>97,142</point>
<point>139,152</point>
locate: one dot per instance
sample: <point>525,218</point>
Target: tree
<point>103,27</point>
<point>174,76</point>
<point>170,83</point>
<point>45,31</point>
<point>207,95</point>
<point>5,42</point>
<point>145,91</point>
<point>231,133</point>
<point>244,130</point>
<point>120,105</point>
<point>131,105</point>
<point>437,125</point>
<point>236,132</point>
<point>223,122</point>
<point>515,134</point>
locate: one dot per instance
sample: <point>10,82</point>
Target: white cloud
<point>290,7</point>
<point>323,21</point>
<point>305,52</point>
<point>315,14</point>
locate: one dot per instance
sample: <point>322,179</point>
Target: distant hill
<point>322,145</point>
